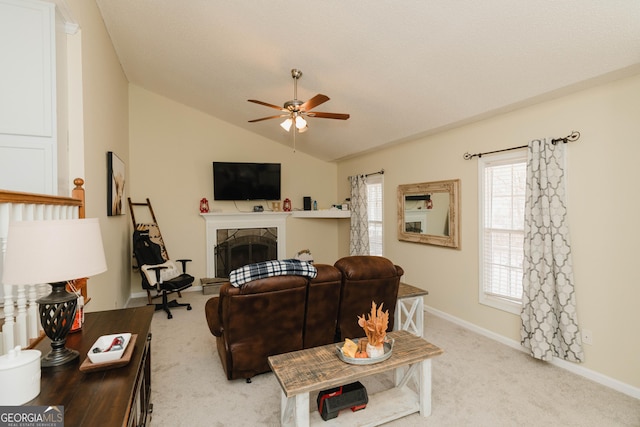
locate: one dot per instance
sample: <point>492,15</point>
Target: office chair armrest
<point>184,264</point>
<point>157,270</point>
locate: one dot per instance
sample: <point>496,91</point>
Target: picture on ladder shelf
<point>115,184</point>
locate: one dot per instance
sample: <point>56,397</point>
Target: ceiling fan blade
<point>267,118</point>
<point>314,102</point>
<point>266,104</point>
<point>328,115</point>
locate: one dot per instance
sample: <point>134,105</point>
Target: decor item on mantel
<point>375,328</point>
<point>55,252</point>
<point>204,205</point>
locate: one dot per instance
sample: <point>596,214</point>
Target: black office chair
<point>159,274</point>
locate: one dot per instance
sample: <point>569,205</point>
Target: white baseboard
<point>597,377</point>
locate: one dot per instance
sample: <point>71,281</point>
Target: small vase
<point>375,351</point>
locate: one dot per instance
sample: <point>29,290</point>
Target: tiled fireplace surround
<point>243,221</point>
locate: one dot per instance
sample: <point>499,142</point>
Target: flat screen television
<point>246,181</point>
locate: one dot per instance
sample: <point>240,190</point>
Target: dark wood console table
<point>113,397</point>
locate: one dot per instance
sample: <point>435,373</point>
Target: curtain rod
<point>380,172</point>
<point>574,136</point>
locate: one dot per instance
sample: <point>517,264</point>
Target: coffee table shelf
<point>383,407</point>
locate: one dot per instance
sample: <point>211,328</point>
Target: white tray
<point>388,350</point>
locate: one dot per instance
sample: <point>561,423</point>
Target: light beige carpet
<point>476,382</point>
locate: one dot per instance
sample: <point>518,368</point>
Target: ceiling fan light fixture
<point>301,123</point>
<point>286,125</point>
<point>304,129</point>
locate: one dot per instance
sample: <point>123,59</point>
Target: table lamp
<point>54,251</point>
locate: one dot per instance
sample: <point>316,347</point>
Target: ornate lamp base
<point>59,357</point>
<point>57,311</point>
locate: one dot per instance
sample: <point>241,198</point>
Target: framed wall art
<point>115,185</point>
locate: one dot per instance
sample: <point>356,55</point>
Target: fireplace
<point>237,239</point>
<point>236,247</point>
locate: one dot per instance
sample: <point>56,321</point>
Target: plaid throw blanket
<point>262,270</point>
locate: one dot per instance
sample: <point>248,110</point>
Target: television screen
<point>246,181</point>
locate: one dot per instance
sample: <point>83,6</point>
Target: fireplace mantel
<point>225,220</point>
<point>243,216</point>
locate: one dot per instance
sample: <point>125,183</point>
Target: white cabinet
<point>28,109</point>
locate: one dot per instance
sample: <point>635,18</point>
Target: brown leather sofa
<point>287,313</point>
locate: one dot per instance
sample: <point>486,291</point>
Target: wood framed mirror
<point>429,212</point>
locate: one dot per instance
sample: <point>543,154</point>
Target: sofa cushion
<point>262,270</point>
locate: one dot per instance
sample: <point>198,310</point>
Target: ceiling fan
<point>296,111</point>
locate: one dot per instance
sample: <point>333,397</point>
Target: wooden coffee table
<point>319,368</point>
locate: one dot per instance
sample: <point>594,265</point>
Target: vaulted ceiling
<point>401,69</point>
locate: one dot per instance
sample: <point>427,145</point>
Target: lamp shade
<point>286,125</point>
<point>53,251</point>
<point>301,123</point>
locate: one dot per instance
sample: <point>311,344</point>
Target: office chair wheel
<point>189,307</point>
<point>169,316</point>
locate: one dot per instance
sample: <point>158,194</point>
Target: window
<point>502,181</point>
<point>374,208</point>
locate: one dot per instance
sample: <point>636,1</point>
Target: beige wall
<point>106,123</point>
<point>603,207</point>
<point>171,154</point>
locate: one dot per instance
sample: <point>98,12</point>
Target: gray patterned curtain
<point>359,241</point>
<point>549,320</point>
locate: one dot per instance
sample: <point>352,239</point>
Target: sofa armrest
<point>213,318</point>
